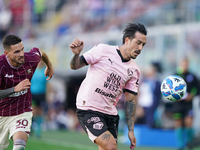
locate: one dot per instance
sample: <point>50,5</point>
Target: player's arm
<point>130,107</point>
<point>49,71</point>
<point>5,93</point>
<point>77,61</point>
<point>189,95</point>
<point>24,84</point>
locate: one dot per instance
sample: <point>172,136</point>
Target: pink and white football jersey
<point>107,76</point>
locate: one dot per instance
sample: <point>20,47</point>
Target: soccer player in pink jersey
<point>112,71</point>
<point>16,70</point>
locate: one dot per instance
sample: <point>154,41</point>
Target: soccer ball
<point>173,87</point>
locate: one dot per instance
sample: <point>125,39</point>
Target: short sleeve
<point>36,53</point>
<point>93,55</point>
<point>133,84</point>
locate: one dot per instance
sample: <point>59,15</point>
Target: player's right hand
<point>132,140</point>
<point>24,84</point>
<point>76,46</point>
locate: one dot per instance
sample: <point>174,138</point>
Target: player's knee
<point>19,144</point>
<point>111,146</point>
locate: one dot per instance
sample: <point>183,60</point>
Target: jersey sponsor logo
<point>29,71</point>
<point>113,82</point>
<point>18,93</point>
<point>130,73</point>
<point>9,76</point>
<point>100,91</point>
<point>93,119</point>
<point>98,125</point>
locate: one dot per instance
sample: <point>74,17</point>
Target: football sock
<point>19,147</point>
<point>179,137</point>
<point>19,144</point>
<point>189,134</point>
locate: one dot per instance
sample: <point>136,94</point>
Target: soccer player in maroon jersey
<point>16,70</point>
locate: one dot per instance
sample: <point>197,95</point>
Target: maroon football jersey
<point>10,76</point>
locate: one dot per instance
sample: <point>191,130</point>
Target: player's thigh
<point>178,123</point>
<point>92,122</point>
<point>188,120</point>
<point>4,132</point>
<point>106,141</point>
<point>20,126</point>
<point>189,113</point>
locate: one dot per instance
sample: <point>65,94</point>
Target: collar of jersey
<point>12,65</point>
<point>123,60</point>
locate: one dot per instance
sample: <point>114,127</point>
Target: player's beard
<point>18,61</point>
<point>22,60</point>
<point>137,52</point>
<point>133,57</point>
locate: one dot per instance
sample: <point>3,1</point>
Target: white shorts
<point>12,124</point>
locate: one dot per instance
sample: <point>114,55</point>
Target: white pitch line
<point>65,144</point>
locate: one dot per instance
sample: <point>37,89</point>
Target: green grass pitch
<point>66,140</point>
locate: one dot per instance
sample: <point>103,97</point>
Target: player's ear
<point>126,40</point>
<point>5,52</point>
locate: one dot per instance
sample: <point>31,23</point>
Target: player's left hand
<point>132,140</point>
<point>49,71</point>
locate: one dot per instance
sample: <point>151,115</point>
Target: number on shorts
<point>23,122</point>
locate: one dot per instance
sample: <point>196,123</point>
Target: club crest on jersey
<point>130,73</point>
<point>29,71</point>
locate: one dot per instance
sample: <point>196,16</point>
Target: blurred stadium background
<point>173,33</point>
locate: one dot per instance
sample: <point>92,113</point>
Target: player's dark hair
<point>10,40</point>
<point>131,29</point>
